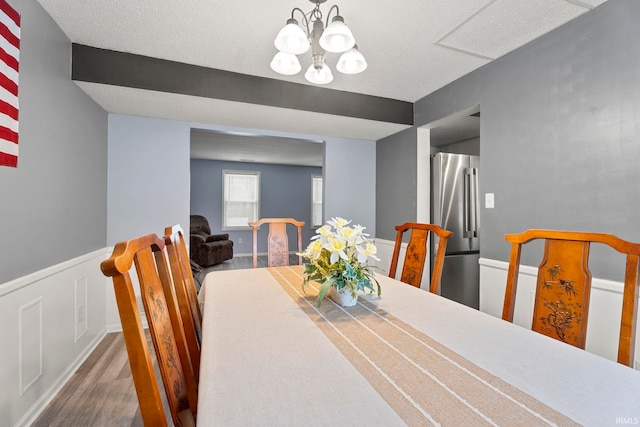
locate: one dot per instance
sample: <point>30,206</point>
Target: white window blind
<point>241,198</point>
<point>316,201</point>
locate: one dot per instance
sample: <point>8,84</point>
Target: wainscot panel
<point>51,321</point>
<point>604,310</point>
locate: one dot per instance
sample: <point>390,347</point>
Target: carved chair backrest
<point>148,255</point>
<point>185,291</point>
<point>563,286</point>
<point>278,241</point>
<point>416,254</point>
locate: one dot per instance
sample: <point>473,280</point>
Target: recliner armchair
<point>207,249</point>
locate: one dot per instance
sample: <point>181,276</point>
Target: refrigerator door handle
<point>467,208</point>
<point>474,201</point>
<point>470,216</point>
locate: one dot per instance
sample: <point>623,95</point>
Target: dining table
<point>272,357</point>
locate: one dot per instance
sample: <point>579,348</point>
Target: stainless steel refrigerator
<point>454,207</point>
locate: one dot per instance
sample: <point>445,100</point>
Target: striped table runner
<point>423,381</point>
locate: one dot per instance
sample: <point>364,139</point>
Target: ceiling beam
<point>94,65</point>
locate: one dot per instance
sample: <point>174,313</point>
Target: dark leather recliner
<point>207,249</point>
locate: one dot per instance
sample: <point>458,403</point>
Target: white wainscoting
<point>50,321</point>
<point>605,306</point>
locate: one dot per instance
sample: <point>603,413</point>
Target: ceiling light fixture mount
<point>334,37</point>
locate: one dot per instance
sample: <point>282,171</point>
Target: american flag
<point>9,64</point>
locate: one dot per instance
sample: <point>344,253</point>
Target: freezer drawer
<point>461,279</point>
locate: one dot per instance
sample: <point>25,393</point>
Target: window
<point>241,199</point>
<point>316,201</point>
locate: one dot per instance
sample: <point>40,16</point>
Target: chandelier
<point>334,37</point>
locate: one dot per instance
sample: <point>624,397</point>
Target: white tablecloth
<point>264,362</point>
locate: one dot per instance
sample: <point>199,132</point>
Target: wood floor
<point>101,391</point>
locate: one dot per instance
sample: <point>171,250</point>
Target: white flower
<point>359,229</point>
<point>360,235</point>
<point>314,250</point>
<point>337,249</point>
<point>324,231</point>
<point>338,257</point>
<point>369,251</point>
<point>349,234</point>
<point>338,222</point>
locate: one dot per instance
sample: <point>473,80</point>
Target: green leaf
<point>349,273</point>
<point>324,288</point>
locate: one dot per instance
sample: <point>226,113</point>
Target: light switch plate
<point>488,201</point>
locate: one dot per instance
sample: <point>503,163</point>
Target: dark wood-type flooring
<point>101,391</point>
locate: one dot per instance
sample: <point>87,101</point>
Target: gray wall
<point>285,192</point>
<point>560,121</point>
<point>53,206</point>
<point>350,181</point>
<point>148,176</point>
<point>396,186</point>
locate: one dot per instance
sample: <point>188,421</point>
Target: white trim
<point>601,284</point>
<point>423,172</point>
<point>21,282</point>
<point>227,173</point>
<point>80,307</point>
<point>315,177</point>
<point>25,383</point>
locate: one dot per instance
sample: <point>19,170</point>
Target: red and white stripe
<point>9,66</point>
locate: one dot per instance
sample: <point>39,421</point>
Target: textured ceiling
<point>242,147</point>
<point>413,48</point>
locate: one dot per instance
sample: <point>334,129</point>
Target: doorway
<point>453,147</point>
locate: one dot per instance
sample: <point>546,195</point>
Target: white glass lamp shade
<point>319,76</point>
<point>292,39</point>
<point>285,63</point>
<point>337,37</point>
<point>351,62</point>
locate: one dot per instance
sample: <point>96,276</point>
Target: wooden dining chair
<point>148,255</point>
<point>185,291</point>
<point>416,254</point>
<point>278,241</point>
<point>563,286</point>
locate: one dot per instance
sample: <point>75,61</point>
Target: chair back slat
<point>563,286</point>
<point>561,306</point>
<point>278,240</point>
<point>144,378</point>
<point>631,293</point>
<point>185,291</point>
<point>417,250</point>
<point>415,258</point>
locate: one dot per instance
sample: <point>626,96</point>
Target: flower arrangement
<point>338,256</point>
